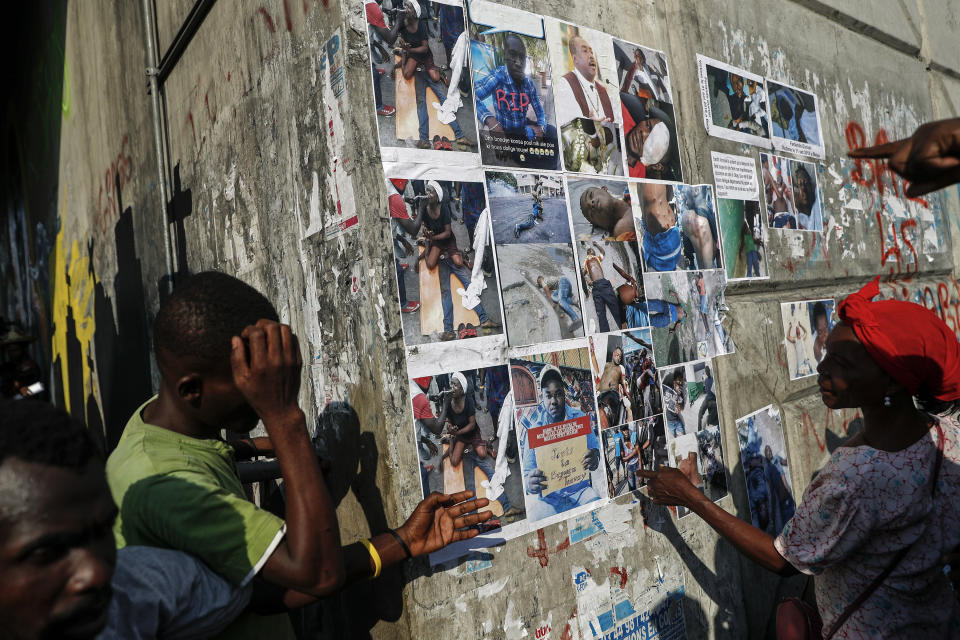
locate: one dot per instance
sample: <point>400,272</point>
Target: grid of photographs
<point>763,454</point>
<point>539,211</point>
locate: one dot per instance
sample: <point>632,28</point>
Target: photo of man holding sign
<point>559,447</point>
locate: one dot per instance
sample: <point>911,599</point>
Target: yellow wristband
<point>377,565</point>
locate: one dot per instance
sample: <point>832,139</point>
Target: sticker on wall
<point>763,455</point>
<point>678,225</point>
<point>586,98</point>
<point>511,87</point>
<point>692,420</point>
<point>435,223</point>
<point>794,120</point>
<point>608,254</point>
<point>686,315</point>
<point>651,147</point>
<point>557,431</point>
<point>419,56</point>
<point>584,526</point>
<point>734,102</point>
<point>791,194</point>
<point>806,325</point>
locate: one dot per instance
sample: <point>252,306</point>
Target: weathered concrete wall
<point>250,167</point>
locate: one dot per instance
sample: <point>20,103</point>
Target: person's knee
<point>434,75</point>
<point>457,260</point>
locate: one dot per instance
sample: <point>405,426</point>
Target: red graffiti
<point>568,631</point>
<point>809,425</point>
<point>622,572</point>
<point>542,631</point>
<point>117,175</point>
<point>542,552</point>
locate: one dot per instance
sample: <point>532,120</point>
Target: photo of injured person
<point>447,291</point>
<point>514,103</point>
<point>763,454</point>
<point>420,63</point>
<point>459,440</point>
<point>678,225</point>
<point>794,120</point>
<point>528,208</point>
<point>806,325</point>
<point>651,147</point>
<point>557,432</point>
<point>791,194</point>
<point>734,102</point>
<point>686,316</point>
<point>611,380</point>
<point>586,98</point>
<point>608,254</point>
<point>744,239</point>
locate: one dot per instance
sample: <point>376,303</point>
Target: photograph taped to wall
<point>642,375</point>
<point>653,444</point>
<point>447,292</point>
<point>419,55</point>
<point>678,226</point>
<point>586,98</point>
<point>806,325</point>
<point>511,85</point>
<point>791,193</point>
<point>557,432</point>
<point>611,380</point>
<point>744,239</point>
<point>734,103</point>
<point>541,297</point>
<point>794,120</point>
<point>651,146</point>
<point>460,442</point>
<point>686,315</point>
<point>763,454</point>
<point>619,451</point>
<point>608,254</point>
<point>528,208</point>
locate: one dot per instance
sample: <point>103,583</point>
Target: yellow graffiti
<point>73,289</point>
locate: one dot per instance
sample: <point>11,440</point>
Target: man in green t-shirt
<point>227,363</point>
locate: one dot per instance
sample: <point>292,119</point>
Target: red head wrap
<point>907,340</point>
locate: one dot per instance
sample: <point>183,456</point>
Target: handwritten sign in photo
<point>560,449</point>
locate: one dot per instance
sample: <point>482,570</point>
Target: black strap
<point>853,606</point>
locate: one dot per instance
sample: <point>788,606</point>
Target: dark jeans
<point>377,94</point>
<point>401,284</point>
<point>422,81</point>
<point>444,268</point>
<point>486,465</point>
<point>753,264</point>
<point>605,298</point>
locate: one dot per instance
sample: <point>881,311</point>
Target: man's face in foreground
<point>583,58</point>
<point>57,551</point>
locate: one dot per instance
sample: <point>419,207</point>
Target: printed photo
<point>744,239</point>
<point>689,400</point>
<point>678,224</point>
<point>557,432</point>
<point>806,326</point>
<point>459,443</point>
<point>611,380</point>
<point>433,223</point>
<point>651,148</point>
<point>586,98</point>
<point>420,63</point>
<point>528,208</point>
<point>609,257</point>
<point>700,457</point>
<point>644,380</point>
<point>734,103</point>
<point>763,454</point>
<point>791,194</point>
<point>794,120</point>
<point>540,294</point>
<point>653,444</point>
<point>686,316</point>
<point>620,446</point>
<point>514,101</point>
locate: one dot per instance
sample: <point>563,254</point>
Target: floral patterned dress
<point>862,508</point>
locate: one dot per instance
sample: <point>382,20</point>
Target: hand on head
<point>439,520</point>
<point>266,364</point>
<point>929,159</point>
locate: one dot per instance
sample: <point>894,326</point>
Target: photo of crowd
<point>806,325</point>
<point>689,399</point>
<point>651,148</point>
<point>734,102</point>
<point>430,221</point>
<point>586,98</point>
<point>744,239</point>
<point>763,455</point>
<point>420,64</point>
<point>557,432</point>
<point>642,373</point>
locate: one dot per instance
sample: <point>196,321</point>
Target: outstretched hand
<point>439,520</point>
<point>929,159</point>
<point>669,486</point>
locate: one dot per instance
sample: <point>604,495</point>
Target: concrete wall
<point>251,164</point>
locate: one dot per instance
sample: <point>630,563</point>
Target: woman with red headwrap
<point>885,507</point>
